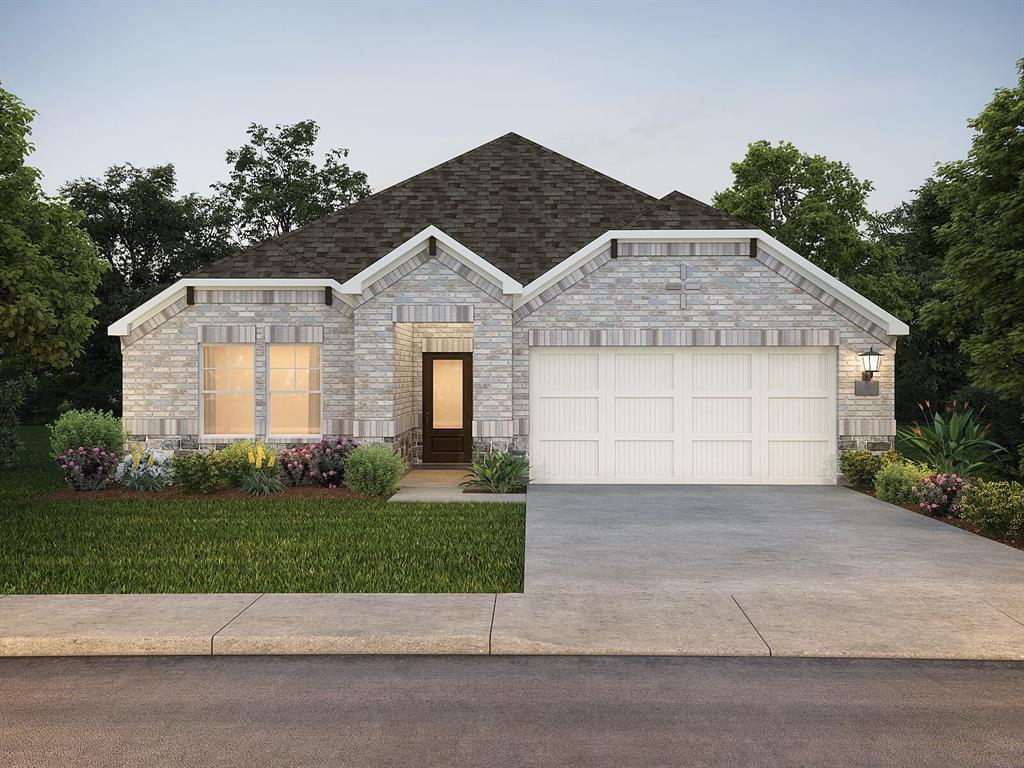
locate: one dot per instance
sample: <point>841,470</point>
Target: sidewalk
<point>935,624</point>
<point>442,485</point>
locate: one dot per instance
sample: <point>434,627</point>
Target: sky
<point>662,96</point>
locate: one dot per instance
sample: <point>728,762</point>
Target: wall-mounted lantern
<point>871,361</point>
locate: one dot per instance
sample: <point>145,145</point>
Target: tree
<point>817,207</point>
<point>275,186</point>
<point>150,237</point>
<point>49,268</point>
<point>982,283</point>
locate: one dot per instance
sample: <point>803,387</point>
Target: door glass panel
<point>447,395</point>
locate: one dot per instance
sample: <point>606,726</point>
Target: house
<point>511,297</point>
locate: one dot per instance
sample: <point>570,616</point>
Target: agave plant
<point>498,472</point>
<point>953,442</point>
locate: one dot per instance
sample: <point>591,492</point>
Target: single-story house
<point>514,298</point>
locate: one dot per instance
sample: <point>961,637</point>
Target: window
<point>294,389</point>
<point>229,390</point>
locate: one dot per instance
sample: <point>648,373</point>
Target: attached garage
<point>683,415</point>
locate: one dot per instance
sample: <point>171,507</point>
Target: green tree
<point>980,294</point>
<point>275,186</point>
<point>817,207</point>
<point>150,236</point>
<point>49,268</point>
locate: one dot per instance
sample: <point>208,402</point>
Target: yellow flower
<point>252,457</point>
<point>260,453</point>
<point>150,461</point>
<point>272,460</point>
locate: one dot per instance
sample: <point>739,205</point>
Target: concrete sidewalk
<point>914,624</point>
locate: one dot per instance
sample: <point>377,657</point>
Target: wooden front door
<point>447,407</point>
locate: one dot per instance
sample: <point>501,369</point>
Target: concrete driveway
<point>782,571</point>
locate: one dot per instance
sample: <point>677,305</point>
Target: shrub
<point>940,495</point>
<point>12,397</point>
<point>261,476</point>
<point>895,481</point>
<point>321,463</point>
<point>995,509</point>
<point>233,460</point>
<point>954,443</point>
<point>87,428</point>
<point>140,470</point>
<point>498,472</point>
<point>860,467</point>
<point>196,472</point>
<point>87,469</point>
<point>374,470</point>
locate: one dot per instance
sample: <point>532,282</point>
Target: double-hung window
<point>294,385</point>
<point>229,390</point>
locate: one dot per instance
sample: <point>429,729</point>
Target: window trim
<point>208,437</point>
<point>309,436</point>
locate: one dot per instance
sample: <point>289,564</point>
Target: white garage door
<point>695,415</point>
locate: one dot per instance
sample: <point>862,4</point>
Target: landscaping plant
<point>896,480</point>
<point>87,428</point>
<point>940,495</point>
<point>498,472</point>
<point>140,470</point>
<point>321,463</point>
<point>951,443</point>
<point>374,470</point>
<point>12,397</point>
<point>860,467</point>
<point>995,508</point>
<point>262,478</point>
<point>233,460</point>
<point>196,472</point>
<point>87,469</point>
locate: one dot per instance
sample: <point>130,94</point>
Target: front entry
<point>447,407</point>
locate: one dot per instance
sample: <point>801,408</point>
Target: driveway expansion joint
<point>1011,618</point>
<point>752,624</point>
<point>250,605</point>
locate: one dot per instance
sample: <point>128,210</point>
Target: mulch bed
<point>956,522</point>
<point>116,493</point>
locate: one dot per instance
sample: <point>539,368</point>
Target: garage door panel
<point>567,372</point>
<point>643,371</point>
<point>572,415</point>
<point>717,460</point>
<point>639,460</point>
<point>568,459</point>
<point>799,371</point>
<point>790,415</point>
<point>793,460</point>
<point>721,414</point>
<point>644,415</point>
<point>713,371</point>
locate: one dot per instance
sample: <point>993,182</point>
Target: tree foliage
<point>980,294</point>
<point>49,267</point>
<point>817,207</point>
<point>275,185</point>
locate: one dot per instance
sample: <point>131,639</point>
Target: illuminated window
<point>229,389</point>
<point>294,389</point>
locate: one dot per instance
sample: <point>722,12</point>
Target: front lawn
<point>224,545</point>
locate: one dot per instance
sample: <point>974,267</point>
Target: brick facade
<point>372,352</point>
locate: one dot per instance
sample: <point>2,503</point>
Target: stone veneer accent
<point>658,294</point>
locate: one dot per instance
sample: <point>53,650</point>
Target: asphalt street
<point>505,711</point>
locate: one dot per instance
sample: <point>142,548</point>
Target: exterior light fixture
<point>872,361</point>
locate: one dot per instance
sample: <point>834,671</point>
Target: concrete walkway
<point>619,571</point>
<point>442,485</point>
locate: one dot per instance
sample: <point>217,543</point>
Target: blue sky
<point>660,95</point>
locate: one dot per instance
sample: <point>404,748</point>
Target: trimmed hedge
<point>995,508</point>
<point>895,481</point>
<point>374,470</point>
<point>86,429</point>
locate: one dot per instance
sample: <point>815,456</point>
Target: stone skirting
<point>685,337</point>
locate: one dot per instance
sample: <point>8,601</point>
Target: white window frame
<point>312,436</point>
<point>209,437</point>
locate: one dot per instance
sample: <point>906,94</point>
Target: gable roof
<point>519,205</point>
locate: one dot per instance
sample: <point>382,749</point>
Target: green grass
<point>206,545</point>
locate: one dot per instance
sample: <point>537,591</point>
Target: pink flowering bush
<point>940,495</point>
<point>88,469</point>
<point>320,463</point>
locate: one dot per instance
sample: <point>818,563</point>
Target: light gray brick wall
<point>707,292</point>
<point>161,368</point>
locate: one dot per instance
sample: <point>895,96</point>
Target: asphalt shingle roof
<point>521,206</point>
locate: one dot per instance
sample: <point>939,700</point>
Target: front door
<point>447,407</point>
